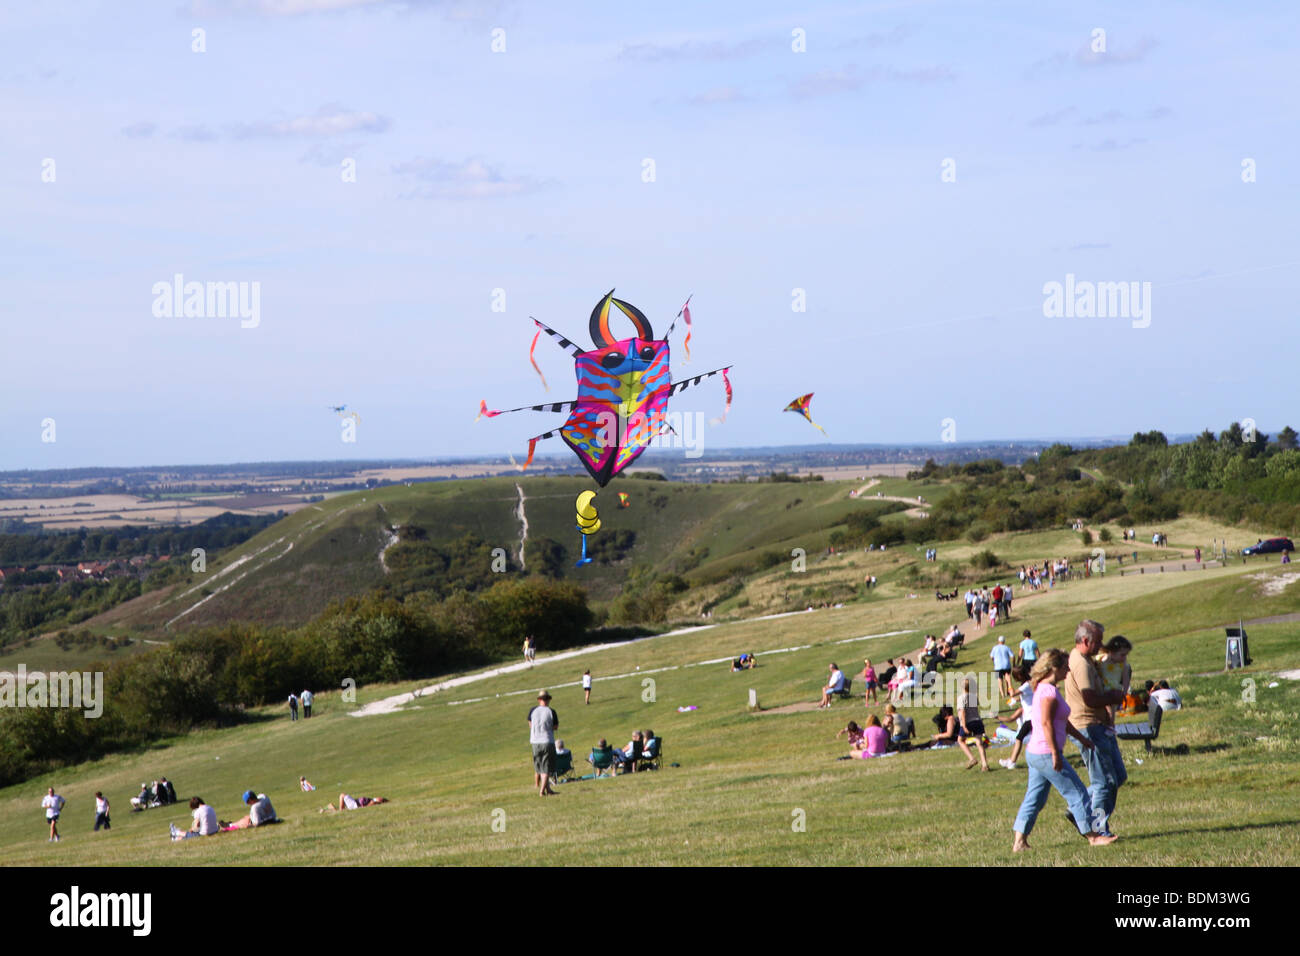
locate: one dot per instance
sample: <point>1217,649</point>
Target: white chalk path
<point>523,524</point>
<point>393,538</point>
<point>390,705</point>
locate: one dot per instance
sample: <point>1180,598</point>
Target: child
<point>869,681</point>
<point>1112,662</point>
<point>854,732</point>
<point>305,785</point>
<point>1022,714</point>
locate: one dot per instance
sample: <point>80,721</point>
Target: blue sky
<point>522,170</point>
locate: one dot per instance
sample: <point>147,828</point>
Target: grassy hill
<point>289,572</point>
<point>1222,787</point>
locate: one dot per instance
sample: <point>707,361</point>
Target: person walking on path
<point>542,723</point>
<point>293,706</point>
<point>1001,655</point>
<point>1090,702</point>
<point>53,806</point>
<point>586,686</point>
<point>101,812</point>
<point>1048,768</point>
<point>307,698</point>
<point>972,727</point>
<point>1028,649</point>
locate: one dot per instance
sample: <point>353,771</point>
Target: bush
<point>1105,536</point>
<point>1085,536</point>
<point>986,560</point>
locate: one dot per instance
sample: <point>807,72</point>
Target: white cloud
<point>329,121</point>
<point>472,179</point>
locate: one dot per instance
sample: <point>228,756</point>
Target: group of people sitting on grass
<point>892,731</point>
<point>941,651</point>
<point>883,734</point>
<point>159,794</point>
<point>205,822</point>
<point>641,752</point>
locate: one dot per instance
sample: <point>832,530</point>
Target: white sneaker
<point>174,832</point>
<point>1007,763</point>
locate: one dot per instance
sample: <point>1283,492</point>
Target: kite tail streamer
<point>484,410</point>
<point>533,348</point>
<point>686,314</point>
<point>727,407</point>
<point>532,446</point>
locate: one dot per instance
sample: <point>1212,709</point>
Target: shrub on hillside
<point>985,560</point>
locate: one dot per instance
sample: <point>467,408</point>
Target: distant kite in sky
<point>622,499</point>
<point>340,409</point>
<point>623,391</point>
<point>803,405</point>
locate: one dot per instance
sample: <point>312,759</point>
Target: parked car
<point>1270,546</point>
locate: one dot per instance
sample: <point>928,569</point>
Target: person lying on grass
<point>260,811</point>
<point>349,802</point>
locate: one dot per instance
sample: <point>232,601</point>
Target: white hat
<point>1002,639</point>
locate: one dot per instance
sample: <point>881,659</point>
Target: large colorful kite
<point>623,391</point>
<point>803,405</point>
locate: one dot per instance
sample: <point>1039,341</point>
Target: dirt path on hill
<point>916,511</point>
<point>523,523</point>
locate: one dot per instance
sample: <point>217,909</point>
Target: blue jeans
<point>1106,773</point>
<point>1042,778</point>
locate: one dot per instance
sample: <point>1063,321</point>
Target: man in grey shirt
<point>542,722</point>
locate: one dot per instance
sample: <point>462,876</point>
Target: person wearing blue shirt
<point>1001,655</point>
<point>1028,650</point>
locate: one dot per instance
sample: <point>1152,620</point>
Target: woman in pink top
<point>869,682</point>
<point>875,740</point>
<point>1047,767</point>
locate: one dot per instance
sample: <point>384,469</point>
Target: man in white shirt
<point>835,685</point>
<point>306,704</point>
<point>53,805</point>
<point>259,811</point>
<point>542,722</point>
<point>1167,697</point>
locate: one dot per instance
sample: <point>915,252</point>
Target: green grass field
<point>1222,787</point>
